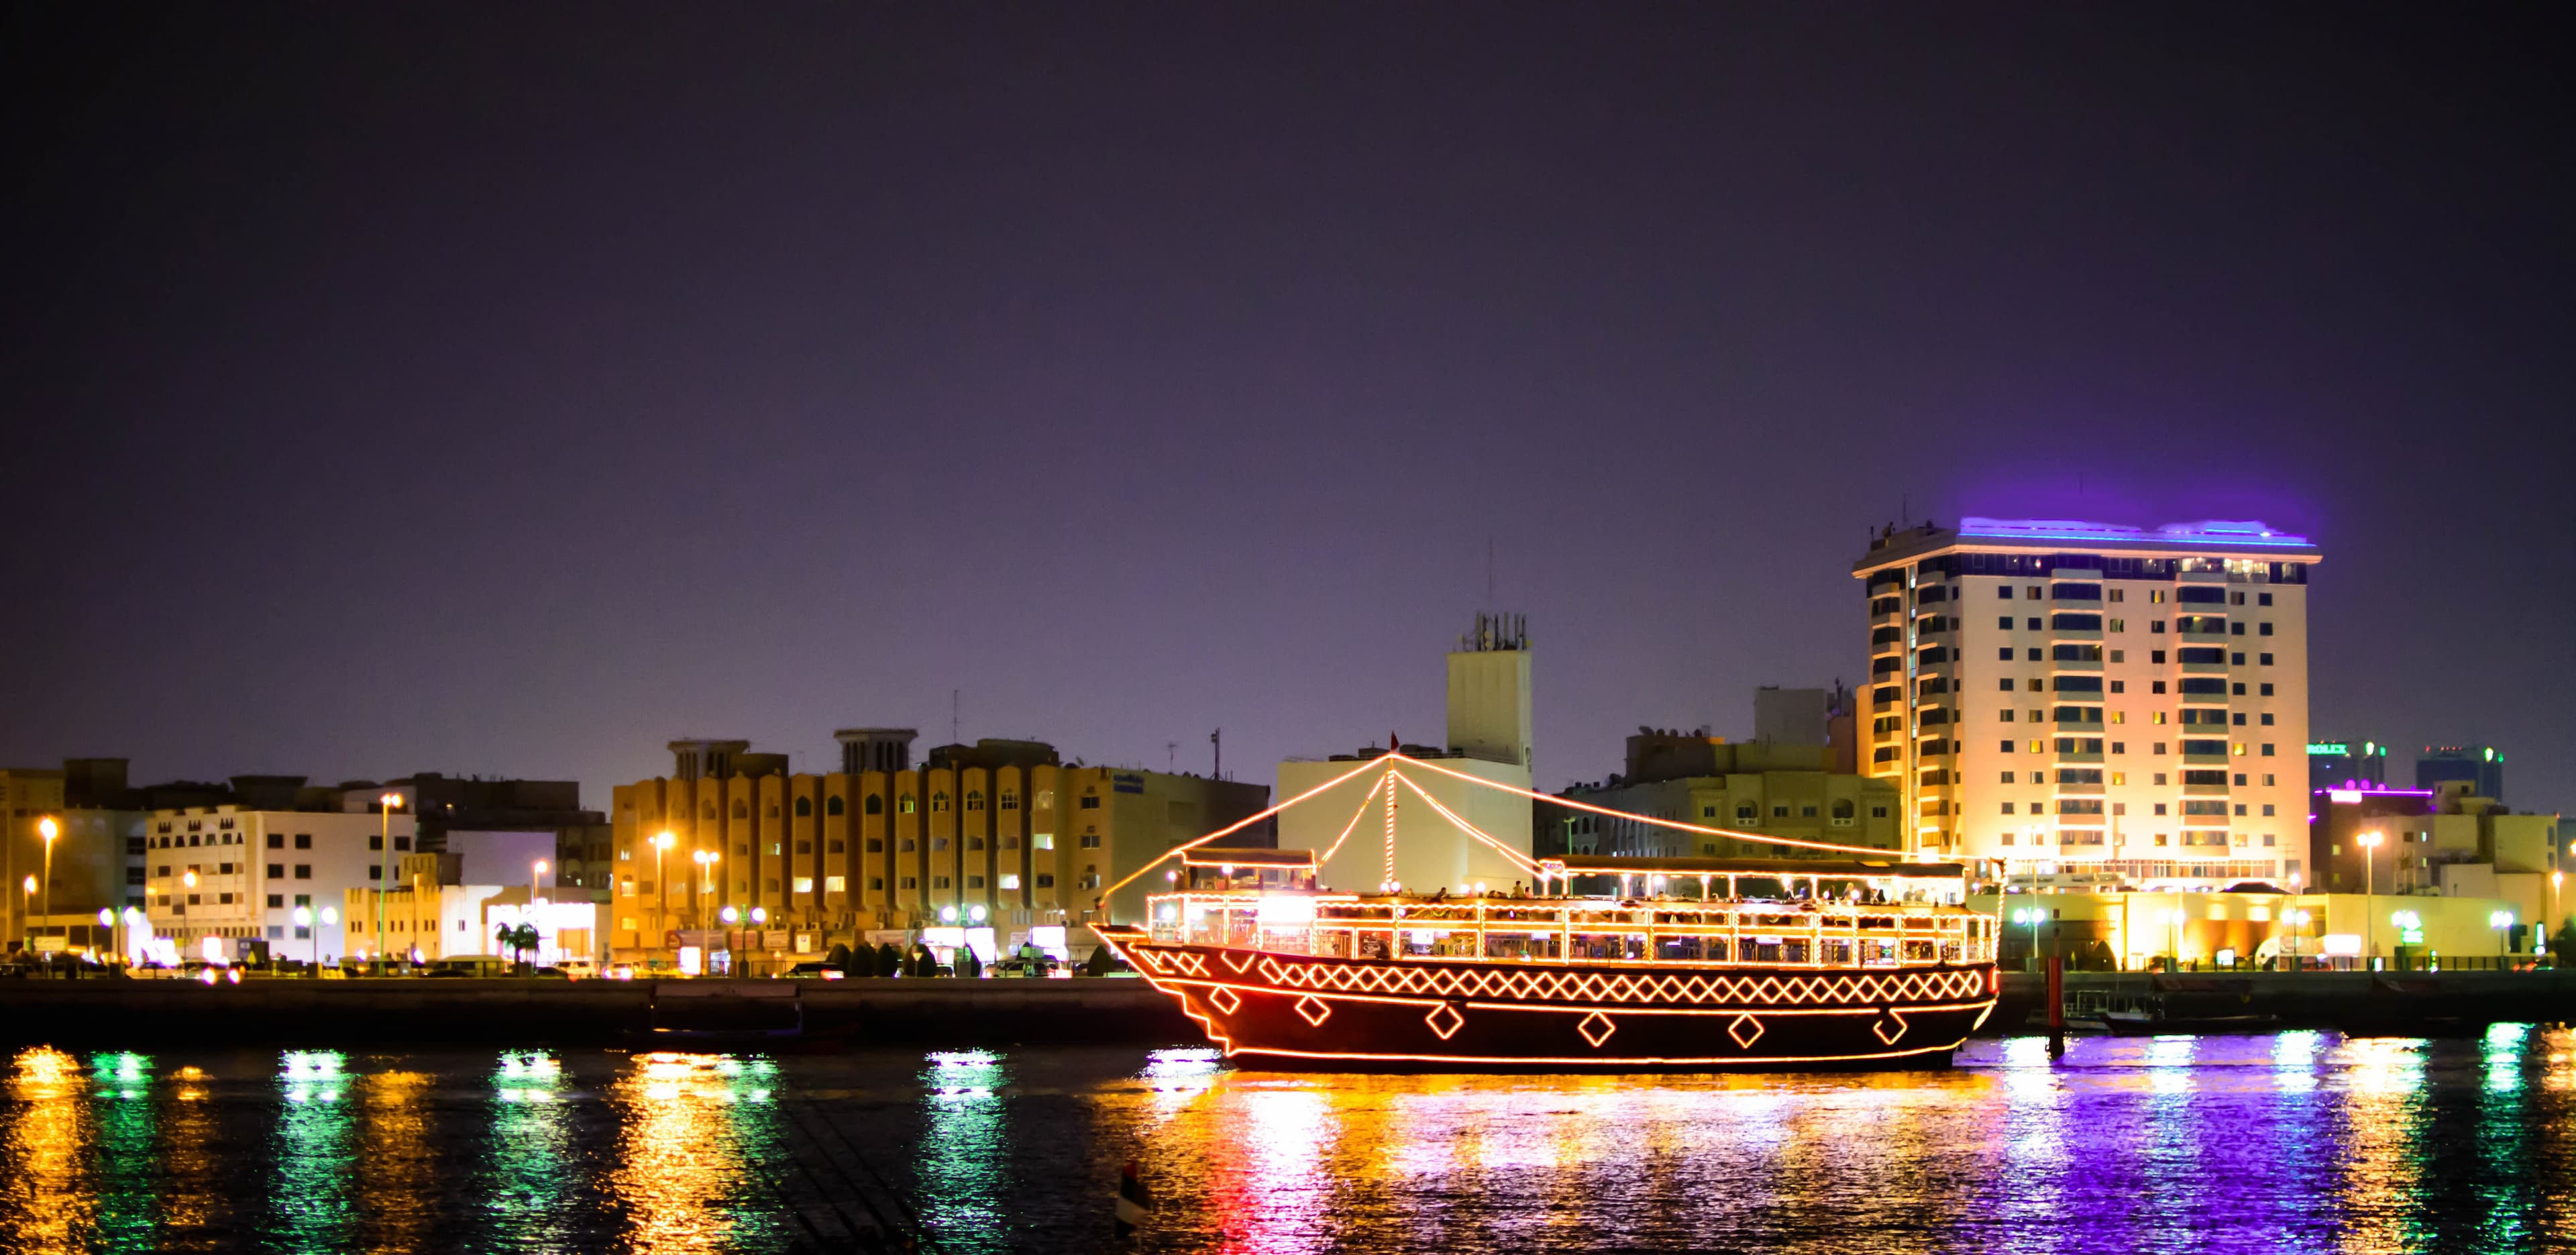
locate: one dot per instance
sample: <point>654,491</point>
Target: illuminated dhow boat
<point>1618,963</point>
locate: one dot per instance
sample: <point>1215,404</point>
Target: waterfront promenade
<point>1103,1011</point>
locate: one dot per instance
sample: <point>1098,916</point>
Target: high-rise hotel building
<point>2066,697</point>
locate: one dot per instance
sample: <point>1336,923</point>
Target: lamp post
<point>385,805</point>
<point>330,916</point>
<point>706,873</point>
<point>27,914</point>
<point>2554,878</point>
<point>48,829</point>
<point>107,920</point>
<point>662,843</point>
<point>536,872</point>
<point>303,918</point>
<point>2502,922</point>
<point>2174,917</point>
<point>729,916</point>
<point>2369,841</point>
<point>133,918</point>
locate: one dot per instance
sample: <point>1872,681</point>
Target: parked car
<point>812,971</point>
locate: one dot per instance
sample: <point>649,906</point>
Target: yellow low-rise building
<point>1003,828</point>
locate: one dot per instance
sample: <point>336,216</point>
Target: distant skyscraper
<point>2347,764</point>
<point>2068,696</point>
<point>2480,765</point>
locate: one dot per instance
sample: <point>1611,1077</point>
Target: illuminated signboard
<point>2328,747</point>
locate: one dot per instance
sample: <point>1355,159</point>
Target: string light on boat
<point>1390,825</point>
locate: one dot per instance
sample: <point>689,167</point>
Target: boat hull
<point>1510,1013</point>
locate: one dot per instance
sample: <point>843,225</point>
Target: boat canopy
<point>1835,869</point>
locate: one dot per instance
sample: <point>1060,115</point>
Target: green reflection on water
<point>2511,1214</point>
<point>129,1165</point>
<point>962,1152</point>
<point>315,1154</point>
<point>531,1155</point>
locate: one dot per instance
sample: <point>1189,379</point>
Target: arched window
<point>1010,800</point>
<point>938,802</point>
<point>974,799</point>
<point>805,807</point>
<point>832,804</point>
<point>773,807</point>
<point>1843,809</point>
<point>904,805</point>
<point>875,805</point>
<point>707,809</point>
<point>1745,812</point>
<point>741,811</point>
<point>1046,799</point>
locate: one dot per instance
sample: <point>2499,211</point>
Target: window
<point>277,841</point>
<point>276,871</point>
<point>2006,684</point>
<point>2034,684</point>
<point>376,842</point>
<point>2119,655</point>
<point>1010,801</point>
<point>804,808</point>
<point>804,847</point>
<point>876,884</point>
<point>2263,659</point>
<point>303,840</point>
<point>939,843</point>
<point>804,884</point>
<point>2008,777</point>
<point>2156,626</point>
<point>874,805</point>
<point>1046,880</point>
<point>908,845</point>
<point>2008,716</point>
<point>1011,881</point>
<point>2008,808</point>
<point>304,871</point>
<point>2119,686</point>
<point>903,806</point>
<point>2119,625</point>
<point>911,882</point>
<point>2267,690</point>
<point>876,845</point>
<point>1043,841</point>
<point>2005,622</point>
<point>277,901</point>
<point>2267,749</point>
<point>974,799</point>
<point>1745,811</point>
<point>2263,629</point>
<point>402,843</point>
<point>1091,802</point>
<point>837,846</point>
<point>1091,841</point>
<point>938,802</point>
<point>939,882</point>
<point>2267,810</point>
<point>2119,747</point>
<point>2004,654</point>
<point>2006,592</point>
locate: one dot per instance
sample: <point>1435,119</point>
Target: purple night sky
<point>510,390</point>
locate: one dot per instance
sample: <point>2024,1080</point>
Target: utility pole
<point>1171,756</point>
<point>1216,771</point>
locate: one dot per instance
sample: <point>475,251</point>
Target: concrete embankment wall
<point>2409,1003</point>
<point>416,1012</point>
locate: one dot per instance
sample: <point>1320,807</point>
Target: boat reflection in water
<point>2297,1141</point>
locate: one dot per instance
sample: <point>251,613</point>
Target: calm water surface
<point>2294,1142</point>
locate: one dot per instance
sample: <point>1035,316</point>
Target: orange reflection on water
<point>682,1166</point>
<point>2383,1164</point>
<point>45,1145</point>
<point>397,1160</point>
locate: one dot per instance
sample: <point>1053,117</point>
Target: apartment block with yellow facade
<point>1001,826</point>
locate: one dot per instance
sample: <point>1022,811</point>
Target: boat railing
<point>1797,933</point>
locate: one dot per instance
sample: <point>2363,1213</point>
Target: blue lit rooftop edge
<point>2205,532</point>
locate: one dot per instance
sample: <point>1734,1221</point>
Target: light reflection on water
<point>2295,1141</point>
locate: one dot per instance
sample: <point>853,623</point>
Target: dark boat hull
<point>1550,1014</point>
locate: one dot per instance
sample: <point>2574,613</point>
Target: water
<point>2293,1142</point>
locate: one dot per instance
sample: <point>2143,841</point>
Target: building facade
<point>1003,827</point>
<point>2057,696</point>
<point>231,873</point>
<point>1781,790</point>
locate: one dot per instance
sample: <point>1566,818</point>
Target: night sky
<point>511,389</point>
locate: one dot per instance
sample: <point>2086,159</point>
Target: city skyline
<point>391,429</point>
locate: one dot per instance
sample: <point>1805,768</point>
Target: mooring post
<point>2056,1006</point>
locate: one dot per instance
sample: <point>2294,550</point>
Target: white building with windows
<point>2057,696</point>
<point>226,873</point>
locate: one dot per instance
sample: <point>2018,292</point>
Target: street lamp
<point>26,913</point>
<point>47,829</point>
<point>706,861</point>
<point>2369,841</point>
<point>2174,917</point>
<point>133,918</point>
<point>385,805</point>
<point>2502,922</point>
<point>2031,915</point>
<point>330,917</point>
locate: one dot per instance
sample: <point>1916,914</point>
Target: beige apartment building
<point>1003,826</point>
<point>1779,790</point>
<point>2064,697</point>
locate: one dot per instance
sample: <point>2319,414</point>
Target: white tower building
<point>2063,697</point>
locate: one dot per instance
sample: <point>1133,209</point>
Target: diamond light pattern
<point>1504,984</point>
<point>1889,1027</point>
<point>1596,1029</point>
<point>1225,1000</point>
<point>1444,1020</point>
<point>1313,1010</point>
<point>1745,1029</point>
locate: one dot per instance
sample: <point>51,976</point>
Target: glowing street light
<point>2502,922</point>
<point>662,843</point>
<point>2032,916</point>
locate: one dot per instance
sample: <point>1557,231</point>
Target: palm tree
<point>520,939</point>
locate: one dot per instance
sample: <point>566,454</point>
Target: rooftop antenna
<point>1171,756</point>
<point>1216,739</point>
